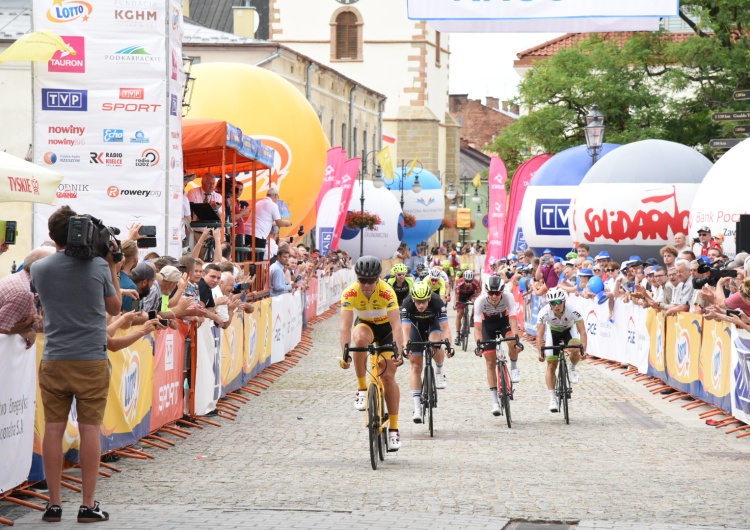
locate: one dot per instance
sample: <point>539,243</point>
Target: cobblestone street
<point>297,456</point>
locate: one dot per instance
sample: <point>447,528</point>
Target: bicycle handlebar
<point>430,343</point>
<point>558,348</point>
<point>498,341</point>
<point>371,349</point>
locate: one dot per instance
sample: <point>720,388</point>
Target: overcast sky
<point>482,63</point>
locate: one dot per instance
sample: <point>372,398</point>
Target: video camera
<point>715,273</point>
<point>88,237</point>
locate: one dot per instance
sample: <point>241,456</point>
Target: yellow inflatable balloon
<point>268,108</point>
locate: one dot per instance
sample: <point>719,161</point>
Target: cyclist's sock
<point>438,368</point>
<point>513,365</point>
<point>552,394</point>
<point>393,425</point>
<point>417,395</point>
<point>362,383</point>
<point>493,391</point>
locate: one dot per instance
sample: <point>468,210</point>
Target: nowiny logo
<point>69,11</point>
<point>67,61</point>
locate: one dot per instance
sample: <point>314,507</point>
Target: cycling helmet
<point>368,266</point>
<point>446,264</point>
<point>469,276</point>
<point>421,292</point>
<point>494,283</point>
<point>435,273</point>
<point>464,266</point>
<point>399,268</point>
<point>420,266</point>
<point>556,294</point>
<point>423,274</point>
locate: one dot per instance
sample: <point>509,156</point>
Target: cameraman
<point>76,295</point>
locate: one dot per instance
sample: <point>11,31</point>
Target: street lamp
<point>377,181</point>
<point>594,131</point>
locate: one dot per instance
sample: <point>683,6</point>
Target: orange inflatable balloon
<point>268,108</point>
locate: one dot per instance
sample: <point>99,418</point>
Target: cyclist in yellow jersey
<point>437,284</point>
<point>378,320</point>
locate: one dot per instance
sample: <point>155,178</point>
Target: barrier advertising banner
<point>740,371</point>
<point>657,363</point>
<point>127,417</point>
<point>208,368</point>
<point>232,348</point>
<point>683,343</point>
<point>169,362</point>
<point>714,363</point>
<point>108,117</point>
<point>17,407</point>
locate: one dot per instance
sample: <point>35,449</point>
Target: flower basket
<point>447,223</point>
<point>362,220</point>
<point>410,221</point>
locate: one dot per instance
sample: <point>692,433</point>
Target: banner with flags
<point>334,160</point>
<point>348,176</point>
<point>498,200</point>
<point>477,180</point>
<point>386,163</point>
<point>521,179</point>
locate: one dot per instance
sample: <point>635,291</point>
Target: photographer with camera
<point>704,242</point>
<point>77,286</point>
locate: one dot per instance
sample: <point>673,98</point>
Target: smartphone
<point>164,322</point>
<point>151,315</point>
<point>252,269</point>
<point>146,242</point>
<point>148,231</point>
<point>8,231</point>
<point>301,230</point>
<point>733,312</point>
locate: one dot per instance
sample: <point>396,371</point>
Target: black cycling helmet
<point>368,266</point>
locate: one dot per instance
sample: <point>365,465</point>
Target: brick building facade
<point>480,124</point>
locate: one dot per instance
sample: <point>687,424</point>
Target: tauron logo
<point>66,61</point>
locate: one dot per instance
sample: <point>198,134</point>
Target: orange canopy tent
<point>215,146</point>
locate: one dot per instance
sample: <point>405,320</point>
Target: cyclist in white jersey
<point>495,310</point>
<point>566,327</point>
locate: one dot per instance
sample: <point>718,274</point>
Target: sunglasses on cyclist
<point>367,281</point>
<point>556,302</point>
<point>494,293</point>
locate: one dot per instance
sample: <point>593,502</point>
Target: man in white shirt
<point>206,193</point>
<point>683,293</point>
<point>680,242</point>
<point>266,216</point>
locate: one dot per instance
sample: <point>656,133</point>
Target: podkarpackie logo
<point>132,54</point>
<point>69,11</point>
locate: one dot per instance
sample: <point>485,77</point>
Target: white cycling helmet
<point>469,276</point>
<point>436,273</point>
<point>494,284</point>
<point>556,294</point>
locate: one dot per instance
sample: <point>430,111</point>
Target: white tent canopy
<point>22,181</point>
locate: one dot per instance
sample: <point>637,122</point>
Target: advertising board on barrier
<point>714,365</point>
<point>17,407</point>
<point>232,348</point>
<point>169,363</point>
<point>208,368</point>
<point>683,342</point>
<point>740,371</point>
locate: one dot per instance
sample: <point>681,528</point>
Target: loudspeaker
<point>742,236</point>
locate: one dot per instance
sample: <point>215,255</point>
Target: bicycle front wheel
<point>465,326</point>
<point>430,391</point>
<point>373,423</point>
<point>505,390</point>
<point>563,384</point>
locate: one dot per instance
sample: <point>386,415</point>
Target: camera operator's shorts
<point>382,334</point>
<point>87,381</point>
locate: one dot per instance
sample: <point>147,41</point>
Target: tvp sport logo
<point>551,217</point>
<point>69,11</point>
<point>69,62</point>
<point>64,99</point>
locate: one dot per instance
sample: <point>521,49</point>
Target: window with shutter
<point>347,40</point>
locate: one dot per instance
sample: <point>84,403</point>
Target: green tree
<point>651,85</point>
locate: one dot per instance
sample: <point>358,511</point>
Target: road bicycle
<point>376,411</point>
<point>504,384</point>
<point>429,390</point>
<point>563,389</point>
<point>466,326</point>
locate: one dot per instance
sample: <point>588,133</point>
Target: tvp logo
<point>64,99</point>
<point>551,217</point>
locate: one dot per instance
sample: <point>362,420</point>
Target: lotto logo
<point>551,217</point>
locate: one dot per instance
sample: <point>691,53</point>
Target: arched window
<point>346,35</point>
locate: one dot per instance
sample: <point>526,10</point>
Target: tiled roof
<point>551,47</point>
<point>198,34</point>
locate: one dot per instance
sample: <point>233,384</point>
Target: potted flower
<point>362,220</point>
<point>447,223</point>
<point>410,221</point>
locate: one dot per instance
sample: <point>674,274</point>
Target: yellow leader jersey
<point>375,309</point>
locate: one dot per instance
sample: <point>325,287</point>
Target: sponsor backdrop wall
<point>109,116</point>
